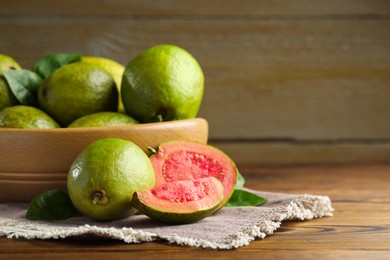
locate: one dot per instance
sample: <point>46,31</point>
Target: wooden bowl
<point>33,161</point>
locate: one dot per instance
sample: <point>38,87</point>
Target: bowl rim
<point>137,127</point>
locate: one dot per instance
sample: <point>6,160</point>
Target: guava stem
<point>152,150</point>
<point>99,197</point>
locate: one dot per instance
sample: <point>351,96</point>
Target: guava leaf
<point>240,181</point>
<point>242,198</point>
<point>51,205</point>
<point>49,63</point>
<point>24,85</point>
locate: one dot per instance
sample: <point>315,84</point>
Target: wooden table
<point>359,229</point>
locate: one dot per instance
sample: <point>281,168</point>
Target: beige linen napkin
<point>227,229</point>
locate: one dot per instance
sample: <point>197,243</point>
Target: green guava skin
<point>162,83</point>
<point>103,178</point>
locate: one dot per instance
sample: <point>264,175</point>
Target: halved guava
<point>180,202</point>
<point>184,160</point>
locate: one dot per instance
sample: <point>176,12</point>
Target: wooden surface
<point>359,229</point>
<point>287,83</point>
<point>297,77</point>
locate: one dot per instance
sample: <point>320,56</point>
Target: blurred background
<point>287,82</point>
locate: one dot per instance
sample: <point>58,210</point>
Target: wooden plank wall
<point>287,82</point>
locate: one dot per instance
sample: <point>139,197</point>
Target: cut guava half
<point>181,202</point>
<point>184,160</point>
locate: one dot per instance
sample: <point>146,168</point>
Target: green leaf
<point>242,198</point>
<point>24,85</point>
<point>49,63</point>
<point>240,181</point>
<point>51,205</point>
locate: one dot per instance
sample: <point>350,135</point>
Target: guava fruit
<point>114,68</point>
<point>76,90</point>
<point>184,160</point>
<point>104,176</point>
<point>27,117</point>
<point>181,202</point>
<point>8,63</point>
<point>103,119</point>
<point>163,83</point>
<point>7,98</point>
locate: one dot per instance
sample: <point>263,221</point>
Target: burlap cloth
<point>227,229</point>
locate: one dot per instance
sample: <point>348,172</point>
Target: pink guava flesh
<point>181,160</point>
<point>182,164</point>
<point>179,192</point>
<point>188,196</point>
